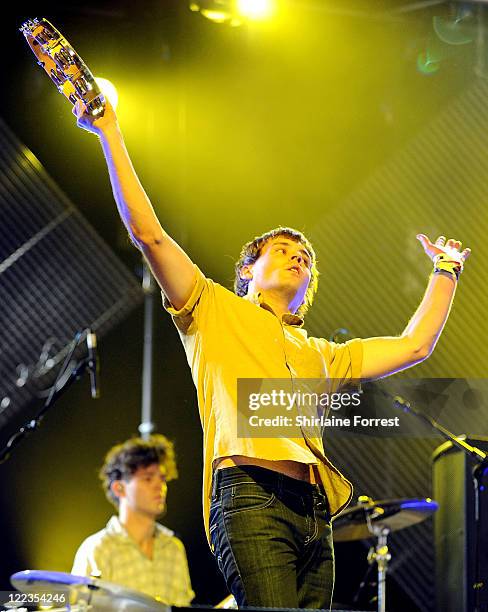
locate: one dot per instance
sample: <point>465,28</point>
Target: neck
<point>140,527</point>
<point>280,302</point>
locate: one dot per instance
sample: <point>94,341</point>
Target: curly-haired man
<point>133,550</point>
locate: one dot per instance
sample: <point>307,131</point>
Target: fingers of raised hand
<point>79,109</point>
<point>453,247</point>
<point>424,240</point>
<point>450,247</point>
<point>453,244</point>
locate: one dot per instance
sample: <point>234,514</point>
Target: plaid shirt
<point>112,555</point>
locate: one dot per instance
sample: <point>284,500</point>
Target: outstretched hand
<point>451,247</point>
<point>92,124</point>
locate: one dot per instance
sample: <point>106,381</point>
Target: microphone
<point>340,335</point>
<point>93,363</point>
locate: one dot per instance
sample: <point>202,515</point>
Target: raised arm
<point>384,356</point>
<point>171,266</point>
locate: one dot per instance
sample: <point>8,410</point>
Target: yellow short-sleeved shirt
<point>227,337</point>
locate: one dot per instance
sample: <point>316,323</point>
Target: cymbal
<point>392,514</point>
<point>229,603</point>
<point>85,592</point>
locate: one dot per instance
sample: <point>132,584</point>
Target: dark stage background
<point>360,123</point>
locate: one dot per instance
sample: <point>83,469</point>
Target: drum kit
<point>377,519</point>
<point>76,594</point>
<point>62,592</point>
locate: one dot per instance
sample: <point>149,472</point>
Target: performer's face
<point>145,492</point>
<point>283,265</point>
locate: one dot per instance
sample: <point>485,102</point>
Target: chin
<point>160,512</point>
<point>290,285</point>
<point>298,282</point>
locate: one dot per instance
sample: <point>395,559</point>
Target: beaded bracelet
<point>445,264</point>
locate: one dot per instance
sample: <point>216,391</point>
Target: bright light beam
<point>255,9</point>
<point>108,90</point>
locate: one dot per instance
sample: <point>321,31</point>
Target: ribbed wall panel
<point>56,276</point>
<point>373,269</point>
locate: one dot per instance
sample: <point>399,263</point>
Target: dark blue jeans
<point>272,538</point>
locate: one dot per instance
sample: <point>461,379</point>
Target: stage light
<point>254,9</point>
<point>219,11</point>
<point>233,12</point>
<point>108,90</point>
<point>217,16</point>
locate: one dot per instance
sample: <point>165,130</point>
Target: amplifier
<point>456,540</point>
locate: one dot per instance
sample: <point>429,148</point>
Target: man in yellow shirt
<point>268,502</point>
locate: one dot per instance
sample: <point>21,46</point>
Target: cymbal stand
<point>380,555</point>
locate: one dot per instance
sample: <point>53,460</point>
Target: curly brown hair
<point>124,459</point>
<point>252,250</point>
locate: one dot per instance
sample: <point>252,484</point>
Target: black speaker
<point>457,541</point>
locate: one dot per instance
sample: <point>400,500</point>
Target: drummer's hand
<point>91,124</point>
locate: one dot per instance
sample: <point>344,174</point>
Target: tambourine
<point>63,65</point>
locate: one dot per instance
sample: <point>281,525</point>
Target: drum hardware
<point>228,603</point>
<point>379,519</point>
<point>85,594</point>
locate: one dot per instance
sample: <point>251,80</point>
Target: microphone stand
<point>480,469</point>
<point>147,425</point>
<point>55,392</point>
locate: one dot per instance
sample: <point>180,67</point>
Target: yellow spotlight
<point>217,16</point>
<point>233,12</point>
<point>255,9</point>
<point>108,90</point>
<point>218,11</point>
